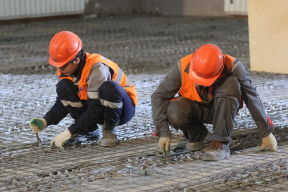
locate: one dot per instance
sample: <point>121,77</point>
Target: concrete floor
<point>145,47</point>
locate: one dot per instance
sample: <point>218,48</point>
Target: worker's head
<point>206,65</point>
<point>63,50</point>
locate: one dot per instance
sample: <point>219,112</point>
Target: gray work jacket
<point>172,83</point>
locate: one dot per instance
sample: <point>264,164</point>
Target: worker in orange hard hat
<point>211,86</point>
<point>92,89</point>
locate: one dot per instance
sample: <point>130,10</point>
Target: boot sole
<point>109,144</point>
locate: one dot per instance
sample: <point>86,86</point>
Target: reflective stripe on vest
<point>118,76</point>
<point>188,87</point>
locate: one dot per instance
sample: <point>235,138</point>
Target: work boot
<point>109,138</point>
<point>196,145</point>
<point>216,151</point>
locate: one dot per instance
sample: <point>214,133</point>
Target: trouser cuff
<point>219,138</point>
<point>265,134</point>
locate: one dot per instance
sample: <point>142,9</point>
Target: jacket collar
<point>81,65</point>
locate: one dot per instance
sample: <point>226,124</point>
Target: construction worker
<point>210,85</point>
<point>92,89</point>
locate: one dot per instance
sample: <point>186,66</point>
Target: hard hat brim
<point>56,64</point>
<point>202,81</point>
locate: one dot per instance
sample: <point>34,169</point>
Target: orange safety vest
<point>118,76</point>
<point>188,87</point>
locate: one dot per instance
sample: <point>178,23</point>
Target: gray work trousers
<point>189,116</point>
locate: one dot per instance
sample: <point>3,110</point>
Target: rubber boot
<point>195,145</point>
<point>109,138</point>
<point>216,151</point>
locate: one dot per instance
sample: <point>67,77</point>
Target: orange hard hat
<point>63,48</point>
<point>206,65</point>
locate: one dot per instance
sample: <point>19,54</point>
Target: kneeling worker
<point>210,86</point>
<point>92,89</point>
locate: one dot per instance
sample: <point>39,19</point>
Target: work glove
<point>164,144</point>
<point>59,139</point>
<point>270,142</point>
<point>37,124</point>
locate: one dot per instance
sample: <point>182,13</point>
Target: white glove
<point>58,140</point>
<point>164,144</point>
<point>270,142</point>
<point>37,124</point>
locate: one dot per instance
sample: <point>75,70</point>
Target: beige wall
<point>268,35</point>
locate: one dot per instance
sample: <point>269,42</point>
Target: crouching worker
<point>92,89</point>
<point>210,85</point>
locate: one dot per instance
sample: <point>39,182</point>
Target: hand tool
<point>38,140</point>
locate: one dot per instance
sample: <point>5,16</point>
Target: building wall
<point>268,35</point>
<point>21,9</point>
<point>111,6</point>
<point>163,7</point>
<point>204,7</point>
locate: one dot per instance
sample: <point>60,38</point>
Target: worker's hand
<point>164,144</point>
<point>58,140</point>
<point>37,124</point>
<point>270,142</point>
